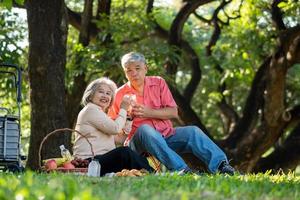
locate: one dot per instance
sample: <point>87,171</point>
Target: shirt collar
<point>148,82</point>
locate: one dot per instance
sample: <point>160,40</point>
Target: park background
<point>232,67</point>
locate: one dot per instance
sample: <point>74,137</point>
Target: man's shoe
<point>190,171</point>
<point>225,168</point>
<point>187,170</point>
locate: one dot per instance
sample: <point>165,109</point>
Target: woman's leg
<point>121,158</point>
<point>136,161</point>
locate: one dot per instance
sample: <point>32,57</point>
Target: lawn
<point>66,186</point>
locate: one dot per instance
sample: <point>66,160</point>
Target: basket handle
<point>60,130</point>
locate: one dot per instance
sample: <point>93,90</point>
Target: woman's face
<point>102,96</point>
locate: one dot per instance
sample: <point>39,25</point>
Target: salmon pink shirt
<point>156,95</point>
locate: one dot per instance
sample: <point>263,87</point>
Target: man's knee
<point>144,128</point>
<point>194,130</point>
<point>145,131</point>
<point>196,133</point>
<point>147,134</point>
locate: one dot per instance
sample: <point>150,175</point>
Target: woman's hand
<point>125,104</point>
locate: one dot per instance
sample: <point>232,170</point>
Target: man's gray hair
<point>132,57</point>
<point>92,88</point>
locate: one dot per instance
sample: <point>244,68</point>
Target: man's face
<point>135,72</point>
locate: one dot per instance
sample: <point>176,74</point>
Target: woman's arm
<point>100,120</point>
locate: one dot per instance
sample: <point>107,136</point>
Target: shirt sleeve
<point>167,99</point>
<point>115,108</point>
<point>104,123</point>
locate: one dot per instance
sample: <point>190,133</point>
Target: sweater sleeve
<point>100,120</point>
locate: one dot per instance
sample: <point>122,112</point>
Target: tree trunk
<point>47,58</point>
<point>285,156</point>
<point>254,144</point>
<point>76,92</point>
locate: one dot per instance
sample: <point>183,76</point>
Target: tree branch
<point>277,15</point>
<point>149,6</point>
<point>84,35</point>
<point>230,114</point>
<point>176,31</point>
<point>75,94</point>
<point>186,112</point>
<point>16,5</point>
<point>74,19</point>
<point>290,41</point>
<point>161,32</point>
<point>253,103</point>
<point>230,17</point>
<point>188,116</point>
<point>103,8</point>
<point>227,110</point>
<point>196,72</point>
<point>208,21</point>
<point>292,116</point>
<point>252,144</point>
<point>217,30</point>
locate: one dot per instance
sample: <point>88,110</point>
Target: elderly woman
<point>99,129</point>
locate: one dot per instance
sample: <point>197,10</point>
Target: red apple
<point>68,165</point>
<point>51,164</point>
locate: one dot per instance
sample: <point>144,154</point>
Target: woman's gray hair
<point>132,57</point>
<point>92,88</point>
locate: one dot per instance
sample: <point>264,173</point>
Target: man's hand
<point>139,110</point>
<point>143,111</point>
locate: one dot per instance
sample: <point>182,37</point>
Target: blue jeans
<point>187,139</point>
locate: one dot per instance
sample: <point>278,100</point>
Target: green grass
<point>65,186</point>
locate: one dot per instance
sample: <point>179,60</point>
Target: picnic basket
<point>81,171</point>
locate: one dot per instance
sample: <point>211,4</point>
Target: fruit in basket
<point>68,165</point>
<point>51,164</point>
<point>80,163</point>
<point>59,161</point>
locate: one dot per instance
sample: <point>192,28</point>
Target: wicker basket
<point>63,170</point>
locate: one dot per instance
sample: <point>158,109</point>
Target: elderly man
<point>153,132</point>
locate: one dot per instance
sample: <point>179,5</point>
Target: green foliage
<point>13,50</point>
<point>62,186</point>
<point>6,3</point>
<point>9,3</point>
<point>102,58</point>
<point>242,47</point>
<point>11,32</point>
<point>293,86</point>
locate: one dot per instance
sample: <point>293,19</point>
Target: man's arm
<point>161,113</point>
<point>168,108</point>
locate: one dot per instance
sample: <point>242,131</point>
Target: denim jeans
<point>187,139</point>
